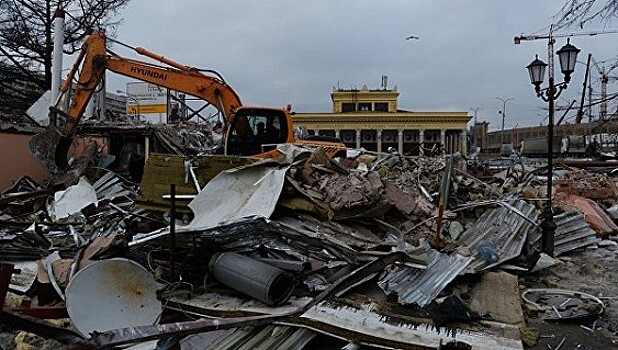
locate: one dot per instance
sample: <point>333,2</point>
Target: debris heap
<point>379,249</point>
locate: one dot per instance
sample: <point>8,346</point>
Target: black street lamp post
<point>567,55</point>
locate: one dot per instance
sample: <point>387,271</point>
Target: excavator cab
<point>255,130</point>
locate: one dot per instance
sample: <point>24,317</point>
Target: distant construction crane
<point>522,37</point>
<point>604,77</point>
<point>551,36</point>
<point>550,49</point>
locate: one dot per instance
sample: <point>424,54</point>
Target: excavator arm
<point>94,60</point>
<point>175,77</point>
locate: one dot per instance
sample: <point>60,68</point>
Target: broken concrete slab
<point>497,295</point>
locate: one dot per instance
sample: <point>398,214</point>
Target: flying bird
<point>412,37</point>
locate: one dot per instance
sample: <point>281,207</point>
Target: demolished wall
<point>16,161</point>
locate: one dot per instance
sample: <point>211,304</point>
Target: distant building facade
<point>490,142</point>
<point>371,119</point>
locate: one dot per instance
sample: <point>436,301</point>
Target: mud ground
<point>593,271</point>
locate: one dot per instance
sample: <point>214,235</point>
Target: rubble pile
<point>378,249</point>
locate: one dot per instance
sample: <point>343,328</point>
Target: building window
<point>364,106</point>
<point>381,106</point>
<point>390,136</point>
<point>369,136</point>
<point>348,107</point>
<point>348,137</point>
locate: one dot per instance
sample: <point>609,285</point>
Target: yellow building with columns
<point>371,119</point>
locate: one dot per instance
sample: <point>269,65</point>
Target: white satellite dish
<point>110,294</point>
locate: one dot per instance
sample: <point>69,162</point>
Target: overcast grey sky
<point>278,52</point>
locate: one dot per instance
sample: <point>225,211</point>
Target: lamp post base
<point>549,229</point>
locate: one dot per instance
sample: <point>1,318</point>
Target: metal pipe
<point>288,265</point>
<point>252,277</point>
<point>57,53</point>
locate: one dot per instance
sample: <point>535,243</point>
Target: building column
<point>463,143</point>
<point>421,141</point>
<point>379,139</point>
<point>358,138</point>
<point>400,141</point>
<point>443,140</point>
<point>457,140</point>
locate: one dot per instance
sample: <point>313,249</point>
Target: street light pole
<point>549,225</point>
<point>536,69</point>
<point>503,112</point>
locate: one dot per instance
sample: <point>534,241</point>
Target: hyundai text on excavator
<point>249,130</point>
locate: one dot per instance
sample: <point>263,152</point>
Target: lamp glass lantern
<point>536,69</point>
<point>568,56</point>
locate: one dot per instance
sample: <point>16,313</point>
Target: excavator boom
<point>94,60</point>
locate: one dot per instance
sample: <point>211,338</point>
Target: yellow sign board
<point>146,109</point>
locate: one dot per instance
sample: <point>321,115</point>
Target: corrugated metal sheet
<point>365,324</point>
<point>264,338</point>
<point>505,228</point>
<point>572,232</point>
<point>414,286</point>
<point>595,216</point>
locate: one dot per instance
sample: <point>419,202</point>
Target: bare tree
<point>26,40</point>
<point>580,12</point>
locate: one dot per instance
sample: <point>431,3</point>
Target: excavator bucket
<point>51,148</point>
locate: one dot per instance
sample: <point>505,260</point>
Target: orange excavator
<point>249,130</point>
